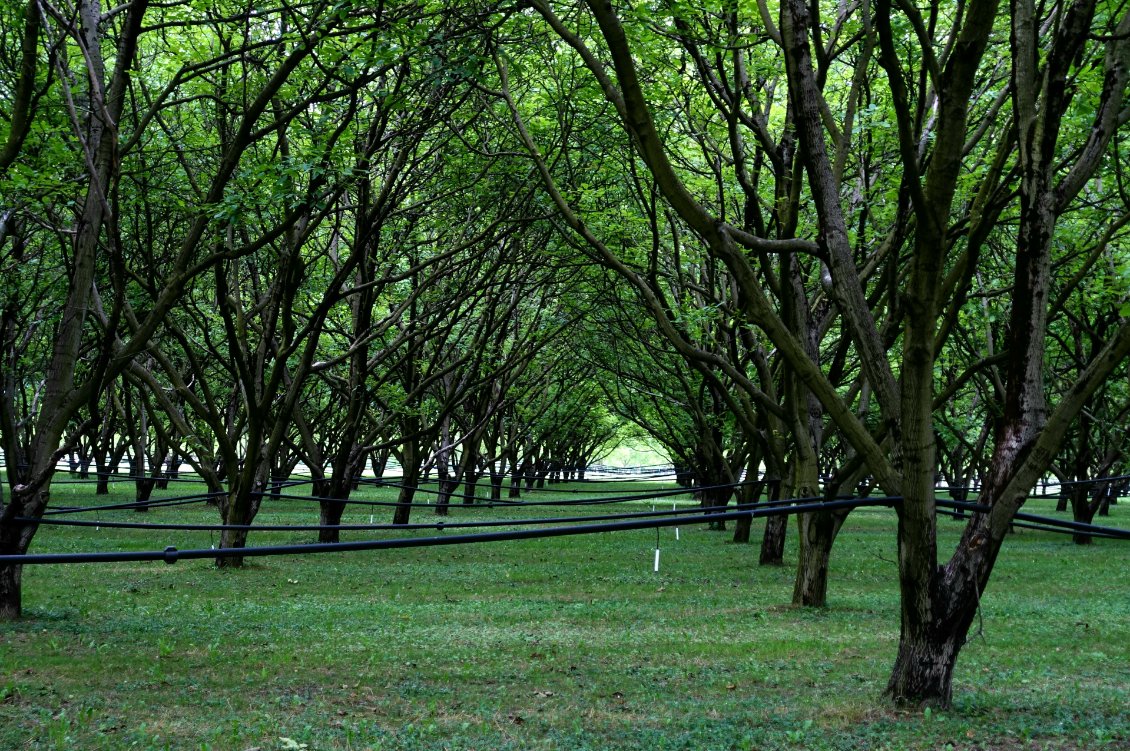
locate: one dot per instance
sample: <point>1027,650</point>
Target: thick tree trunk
<point>742,529</point>
<point>411,459</point>
<point>143,492</point>
<point>15,538</point>
<point>1082,511</point>
<point>923,672</point>
<point>232,538</point>
<point>773,541</point>
<point>241,506</point>
<point>403,511</point>
<point>470,489</point>
<point>11,599</point>
<point>329,513</point>
<point>818,531</point>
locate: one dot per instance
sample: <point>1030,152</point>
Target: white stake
<point>657,560</point>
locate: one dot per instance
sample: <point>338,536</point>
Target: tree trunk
<point>102,470</point>
<point>242,504</point>
<point>15,537</point>
<point>923,672</point>
<point>403,510</point>
<point>447,488</point>
<point>232,538</point>
<point>773,541</point>
<point>329,513</point>
<point>470,488</point>
<point>715,501</point>
<point>776,528</point>
<point>380,463</point>
<point>742,528</point>
<point>1082,511</point>
<point>143,492</point>
<point>411,459</point>
<point>818,530</point>
<point>11,600</point>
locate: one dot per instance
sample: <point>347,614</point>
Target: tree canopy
<point>839,246</point>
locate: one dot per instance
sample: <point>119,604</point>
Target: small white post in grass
<point>657,560</point>
<point>676,528</point>
<point>370,518</point>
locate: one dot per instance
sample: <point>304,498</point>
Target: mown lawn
<point>563,643</point>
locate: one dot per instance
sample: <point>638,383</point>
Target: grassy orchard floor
<point>563,643</point>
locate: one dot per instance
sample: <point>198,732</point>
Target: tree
<point>939,601</point>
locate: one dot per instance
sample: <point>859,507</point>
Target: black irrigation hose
<point>1110,533</point>
<point>441,524</point>
<point>502,502</point>
<point>178,501</point>
<point>1050,524</point>
<point>274,495</point>
<point>686,489</point>
<point>1044,486</point>
<point>114,477</point>
<point>172,555</point>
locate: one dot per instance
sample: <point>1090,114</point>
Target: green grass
<point>565,643</point>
